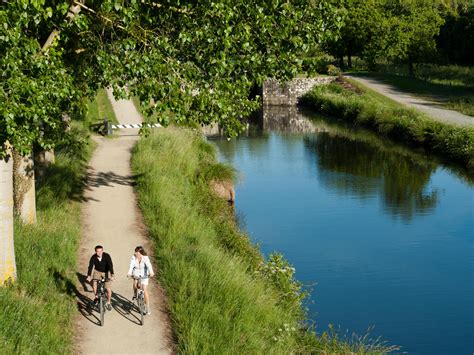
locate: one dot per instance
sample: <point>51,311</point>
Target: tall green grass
<point>100,108</point>
<point>456,144</point>
<point>37,312</point>
<point>223,296</point>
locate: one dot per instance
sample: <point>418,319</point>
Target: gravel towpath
<point>431,108</point>
<point>111,218</point>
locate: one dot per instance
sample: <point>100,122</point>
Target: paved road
<point>111,218</point>
<point>431,108</point>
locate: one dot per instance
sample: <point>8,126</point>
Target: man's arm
<point>111,265</point>
<point>89,269</point>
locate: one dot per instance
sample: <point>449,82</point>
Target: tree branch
<point>73,11</point>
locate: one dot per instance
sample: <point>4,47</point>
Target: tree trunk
<point>43,159</point>
<point>7,251</point>
<point>66,119</point>
<point>24,196</point>
<point>341,61</point>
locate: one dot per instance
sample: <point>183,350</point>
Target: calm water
<point>383,235</point>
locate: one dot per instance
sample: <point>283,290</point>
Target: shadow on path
<point>125,308</point>
<point>120,304</point>
<point>109,178</point>
<point>85,305</point>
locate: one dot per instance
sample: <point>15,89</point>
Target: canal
<point>381,234</point>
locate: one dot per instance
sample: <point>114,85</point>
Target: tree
<point>188,62</point>
<point>397,30</point>
<point>414,26</point>
<point>406,32</point>
<point>362,17</point>
<point>35,87</point>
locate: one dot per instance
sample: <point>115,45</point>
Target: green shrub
<point>333,70</point>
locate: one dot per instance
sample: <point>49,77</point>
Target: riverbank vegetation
<point>223,295</point>
<point>37,311</point>
<point>362,106</point>
<point>422,159</point>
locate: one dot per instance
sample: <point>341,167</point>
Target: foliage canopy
<point>190,62</point>
<point>407,31</point>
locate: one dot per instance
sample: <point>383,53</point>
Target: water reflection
<point>287,119</point>
<point>354,161</point>
<point>365,170</point>
<point>351,161</point>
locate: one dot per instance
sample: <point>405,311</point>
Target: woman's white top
<point>142,268</point>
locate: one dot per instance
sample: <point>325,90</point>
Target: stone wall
<point>275,93</point>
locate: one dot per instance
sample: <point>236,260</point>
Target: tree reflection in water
<point>359,163</point>
<point>364,170</point>
<point>352,161</point>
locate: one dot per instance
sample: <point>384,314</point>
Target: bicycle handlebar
<point>102,280</point>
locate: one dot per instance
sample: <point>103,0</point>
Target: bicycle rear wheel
<point>101,310</point>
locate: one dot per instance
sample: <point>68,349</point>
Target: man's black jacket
<point>104,265</point>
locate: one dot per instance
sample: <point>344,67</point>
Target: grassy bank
<point>100,108</point>
<point>37,312</point>
<point>364,107</point>
<point>223,296</point>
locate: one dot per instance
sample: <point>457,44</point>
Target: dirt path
<point>429,107</point>
<point>111,218</point>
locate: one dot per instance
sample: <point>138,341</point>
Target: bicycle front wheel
<point>141,309</point>
<point>102,310</point>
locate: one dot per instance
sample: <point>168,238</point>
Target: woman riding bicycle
<point>140,266</point>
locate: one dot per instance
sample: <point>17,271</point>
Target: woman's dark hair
<point>140,249</point>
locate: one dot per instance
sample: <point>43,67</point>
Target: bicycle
<point>102,297</point>
<point>140,298</point>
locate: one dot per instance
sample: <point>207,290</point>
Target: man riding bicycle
<point>103,267</point>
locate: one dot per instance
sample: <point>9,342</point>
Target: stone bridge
<point>287,94</point>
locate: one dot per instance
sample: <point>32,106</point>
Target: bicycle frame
<point>140,297</point>
<point>101,290</point>
<point>102,296</point>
